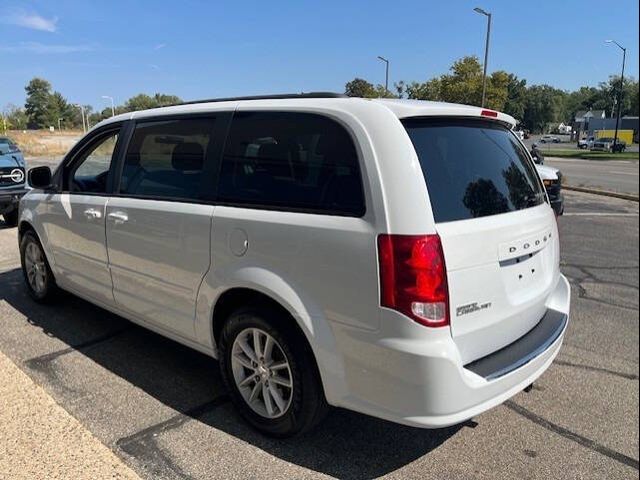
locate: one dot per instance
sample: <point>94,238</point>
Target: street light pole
<point>113,110</point>
<point>386,73</point>
<point>486,52</point>
<point>624,57</point>
<point>84,125</point>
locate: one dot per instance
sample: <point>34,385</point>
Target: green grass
<point>587,155</point>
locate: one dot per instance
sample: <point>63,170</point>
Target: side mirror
<point>40,177</point>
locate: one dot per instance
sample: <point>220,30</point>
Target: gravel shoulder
<point>39,439</point>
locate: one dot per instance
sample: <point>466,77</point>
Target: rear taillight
<point>413,277</point>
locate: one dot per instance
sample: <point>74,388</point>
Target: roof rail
<point>266,97</point>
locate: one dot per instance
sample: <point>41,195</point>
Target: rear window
<point>291,161</point>
<point>473,168</point>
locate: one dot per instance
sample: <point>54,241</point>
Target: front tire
<point>38,277</point>
<point>270,372</point>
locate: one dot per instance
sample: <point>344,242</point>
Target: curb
<point>604,193</point>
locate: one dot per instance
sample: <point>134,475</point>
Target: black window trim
<point>212,159</point>
<point>284,208</point>
<point>68,164</point>
<point>434,119</point>
<point>213,162</point>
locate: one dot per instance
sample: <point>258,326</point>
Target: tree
<point>15,117</point>
<point>143,101</point>
<point>429,90</point>
<point>39,104</point>
<point>359,87</point>
<point>464,83</point>
<point>497,90</point>
<point>162,100</point>
<point>61,109</point>
<point>516,97</point>
<point>634,108</point>
<point>542,107</point>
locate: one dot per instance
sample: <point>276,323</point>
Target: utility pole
<point>386,73</point>
<point>624,56</point>
<point>60,123</point>
<point>486,52</point>
<point>84,124</point>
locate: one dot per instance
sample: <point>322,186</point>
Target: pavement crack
<point>143,445</point>
<point>628,376</point>
<point>589,277</point>
<point>568,434</point>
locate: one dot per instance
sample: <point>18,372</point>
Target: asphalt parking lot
<point>619,176</point>
<point>162,407</point>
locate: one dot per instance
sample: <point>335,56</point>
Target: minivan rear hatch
<point>498,236</point>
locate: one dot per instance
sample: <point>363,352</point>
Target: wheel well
<point>242,297</point>
<point>23,228</point>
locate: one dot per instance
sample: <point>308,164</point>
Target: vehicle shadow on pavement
<point>345,445</point>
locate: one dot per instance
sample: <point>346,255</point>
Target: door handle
<point>92,213</point>
<point>118,217</point>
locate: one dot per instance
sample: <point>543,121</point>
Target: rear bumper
<point>422,382</point>
<point>10,198</point>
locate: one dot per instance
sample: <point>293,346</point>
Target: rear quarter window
<point>473,168</point>
<point>291,161</point>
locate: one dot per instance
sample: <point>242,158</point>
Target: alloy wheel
<point>35,267</point>
<point>262,373</point>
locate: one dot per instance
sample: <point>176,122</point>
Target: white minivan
<point>393,257</point>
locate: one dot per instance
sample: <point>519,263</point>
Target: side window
<point>291,160</point>
<point>89,174</point>
<point>165,159</point>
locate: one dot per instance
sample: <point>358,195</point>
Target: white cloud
<point>33,21</point>
<point>44,49</point>
<point>159,46</point>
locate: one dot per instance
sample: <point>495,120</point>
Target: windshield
<point>473,168</point>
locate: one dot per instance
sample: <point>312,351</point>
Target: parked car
<point>395,258</point>
<point>549,139</point>
<point>606,144</point>
<point>552,180</point>
<point>12,180</point>
<point>586,143</point>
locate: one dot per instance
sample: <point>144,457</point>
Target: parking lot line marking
<point>599,214</point>
<point>568,434</point>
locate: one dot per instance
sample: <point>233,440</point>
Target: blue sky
<point>202,49</point>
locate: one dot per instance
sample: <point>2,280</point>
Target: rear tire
<point>38,277</point>
<point>281,395</point>
<point>11,218</point>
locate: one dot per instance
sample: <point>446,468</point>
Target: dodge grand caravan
<point>397,258</point>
